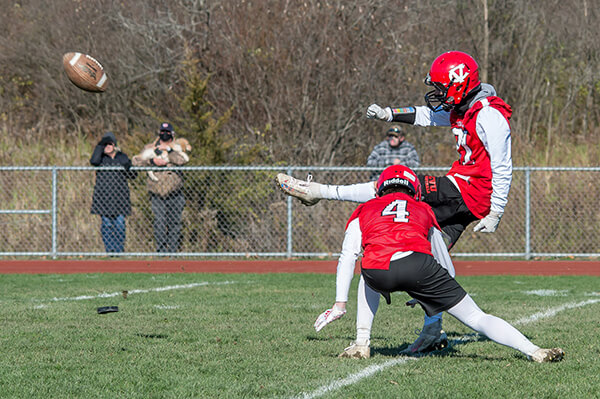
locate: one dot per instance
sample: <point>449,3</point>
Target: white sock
<point>368,302</point>
<point>361,192</point>
<point>491,326</point>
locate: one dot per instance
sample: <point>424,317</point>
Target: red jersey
<point>473,171</point>
<point>393,223</point>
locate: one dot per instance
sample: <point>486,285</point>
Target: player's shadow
<point>454,340</point>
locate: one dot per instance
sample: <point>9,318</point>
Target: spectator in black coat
<point>111,193</point>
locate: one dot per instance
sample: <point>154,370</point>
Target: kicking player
<point>475,188</point>
<point>395,230</point>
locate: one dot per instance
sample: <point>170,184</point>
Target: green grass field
<point>251,336</point>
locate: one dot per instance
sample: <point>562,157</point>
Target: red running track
<point>463,268</point>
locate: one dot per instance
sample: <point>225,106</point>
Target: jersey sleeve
<point>440,251</point>
<point>426,117</point>
<point>494,132</point>
<point>354,215</point>
<point>351,248</point>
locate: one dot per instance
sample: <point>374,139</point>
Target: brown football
<point>85,72</point>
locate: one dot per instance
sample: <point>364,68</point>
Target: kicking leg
<point>501,331</point>
<point>310,193</point>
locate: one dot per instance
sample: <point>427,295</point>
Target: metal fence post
<point>527,213</point>
<point>289,221</point>
<point>54,227</point>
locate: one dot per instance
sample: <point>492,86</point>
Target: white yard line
<point>139,291</point>
<point>551,312</point>
<point>369,371</point>
<point>354,378</point>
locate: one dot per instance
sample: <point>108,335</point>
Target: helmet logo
<point>458,74</point>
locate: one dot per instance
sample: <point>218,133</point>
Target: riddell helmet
<point>453,75</point>
<point>399,175</point>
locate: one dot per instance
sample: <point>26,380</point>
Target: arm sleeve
<point>96,158</point>
<point>345,270</point>
<point>424,116</point>
<point>403,114</point>
<point>494,132</point>
<point>440,251</point>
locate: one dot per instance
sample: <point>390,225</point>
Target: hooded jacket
<point>111,192</point>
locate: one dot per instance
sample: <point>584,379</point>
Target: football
<point>85,72</point>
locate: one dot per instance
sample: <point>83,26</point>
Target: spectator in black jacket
<point>111,193</point>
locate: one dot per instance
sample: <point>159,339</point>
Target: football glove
<point>489,224</point>
<point>328,316</point>
<point>375,111</point>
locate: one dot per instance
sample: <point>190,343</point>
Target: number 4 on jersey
<point>396,208</point>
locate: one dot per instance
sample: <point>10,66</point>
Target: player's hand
<point>375,111</point>
<point>328,316</point>
<point>489,224</point>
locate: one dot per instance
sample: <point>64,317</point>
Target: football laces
<point>95,61</point>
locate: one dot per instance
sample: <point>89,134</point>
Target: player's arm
<point>439,250</point>
<point>351,248</point>
<point>419,116</point>
<point>494,132</point>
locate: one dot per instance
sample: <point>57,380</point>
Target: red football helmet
<point>453,75</point>
<point>399,175</point>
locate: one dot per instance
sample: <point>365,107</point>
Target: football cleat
<point>357,351</point>
<point>547,355</point>
<point>307,192</point>
<point>431,338</point>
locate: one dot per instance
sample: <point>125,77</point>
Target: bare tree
<point>300,75</point>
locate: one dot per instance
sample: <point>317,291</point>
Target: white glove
<point>489,224</point>
<point>375,111</point>
<point>328,316</point>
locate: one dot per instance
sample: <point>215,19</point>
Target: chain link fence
<point>238,212</point>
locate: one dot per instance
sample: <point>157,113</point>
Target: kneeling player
<point>396,231</point>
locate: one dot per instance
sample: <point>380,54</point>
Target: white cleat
<point>308,193</point>
<point>431,338</point>
<point>357,350</point>
<point>547,355</point>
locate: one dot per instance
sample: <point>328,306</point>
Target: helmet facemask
<point>437,99</point>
